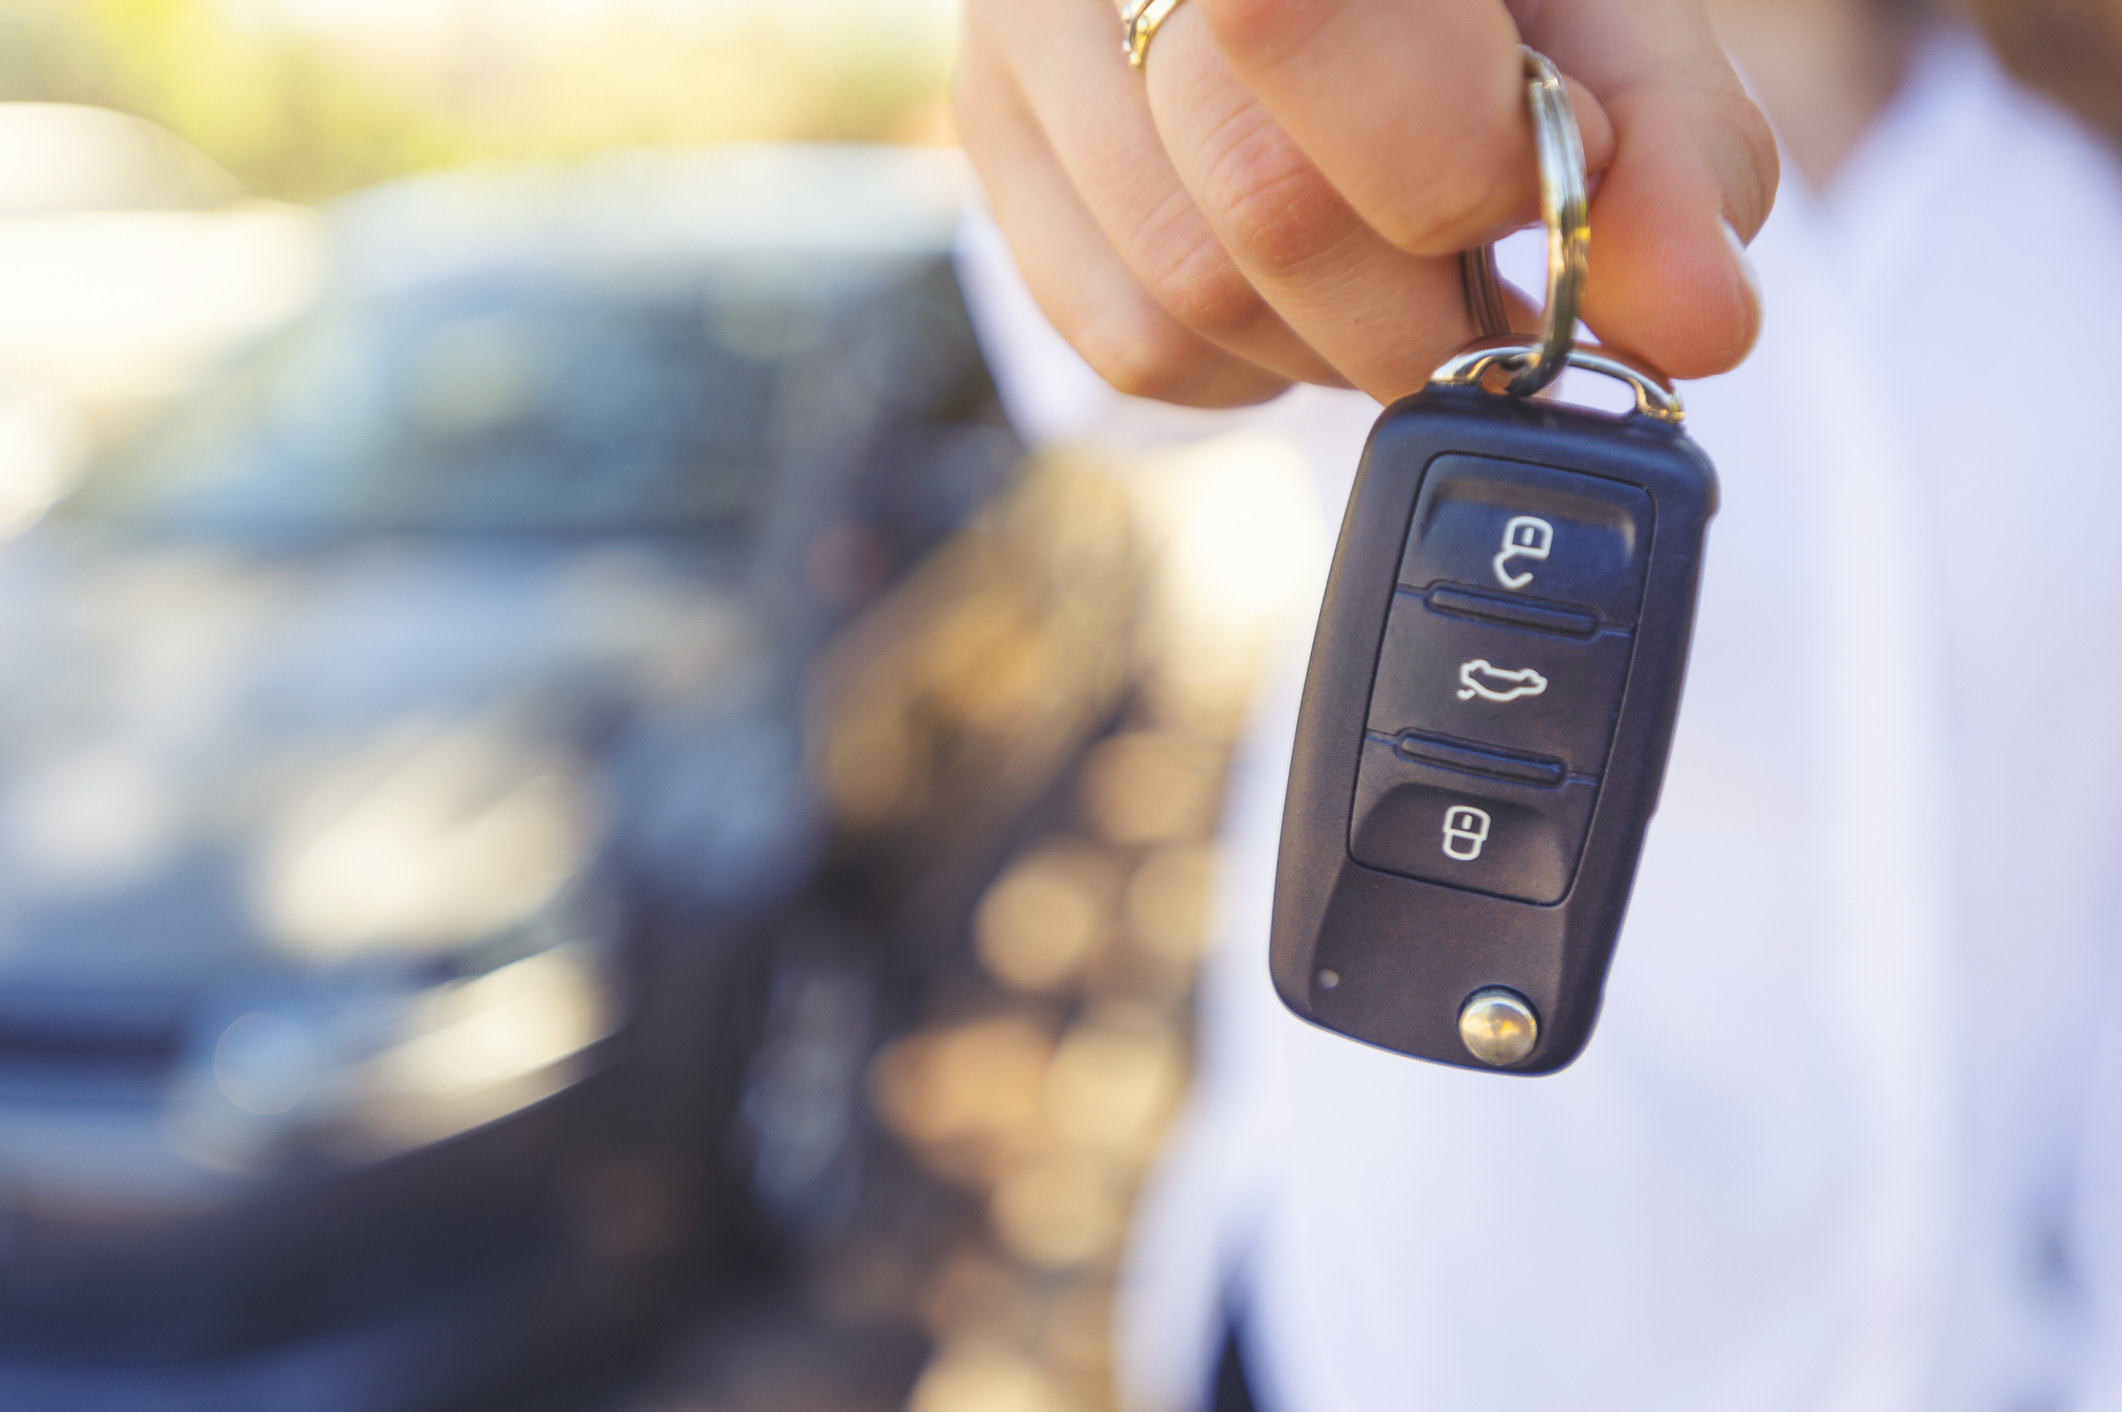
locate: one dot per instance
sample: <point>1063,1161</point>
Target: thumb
<point>1693,175</point>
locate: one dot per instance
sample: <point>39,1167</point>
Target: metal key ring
<point>1565,210</point>
<point>1471,365</point>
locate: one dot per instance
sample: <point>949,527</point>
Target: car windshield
<point>527,406</point>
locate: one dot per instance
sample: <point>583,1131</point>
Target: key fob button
<point>1477,680</point>
<point>1422,820</point>
<point>1529,531</point>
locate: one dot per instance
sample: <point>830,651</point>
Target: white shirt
<point>1849,1134</point>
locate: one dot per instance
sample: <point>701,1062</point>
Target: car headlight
<point>420,842</point>
<point>476,1049</point>
<point>368,1074</point>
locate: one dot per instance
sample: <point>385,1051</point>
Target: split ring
<point>1566,211</point>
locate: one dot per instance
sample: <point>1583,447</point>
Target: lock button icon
<point>1418,814</point>
<point>1465,830</point>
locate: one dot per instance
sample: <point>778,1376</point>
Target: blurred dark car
<point>402,771</point>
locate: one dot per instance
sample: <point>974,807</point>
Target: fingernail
<point>1757,307</point>
<point>1744,260</point>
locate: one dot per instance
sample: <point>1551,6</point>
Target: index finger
<point>1414,110</point>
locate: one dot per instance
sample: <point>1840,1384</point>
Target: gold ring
<point>1142,18</point>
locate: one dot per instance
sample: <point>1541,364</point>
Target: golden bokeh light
<point>1153,787</point>
<point>1167,900</point>
<point>964,1096</point>
<point>1059,1211</point>
<point>1114,1081</point>
<point>984,1378</point>
<point>1043,919</point>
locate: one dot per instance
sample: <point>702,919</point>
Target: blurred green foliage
<point>303,114</point>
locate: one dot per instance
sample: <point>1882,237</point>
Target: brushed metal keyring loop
<point>1565,209</point>
<point>1530,364</point>
<point>1471,365</point>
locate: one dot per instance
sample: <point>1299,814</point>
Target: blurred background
<point>580,827</point>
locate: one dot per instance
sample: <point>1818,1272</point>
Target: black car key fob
<point>1489,705</point>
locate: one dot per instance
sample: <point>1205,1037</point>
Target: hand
<point>1280,192</point>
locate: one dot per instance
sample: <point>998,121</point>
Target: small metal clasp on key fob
<point>1493,684</point>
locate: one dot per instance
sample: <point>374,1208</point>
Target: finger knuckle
<point>1204,289</point>
<point>1140,351</point>
<point>1208,295</point>
<point>1449,202</point>
<point>1275,210</point>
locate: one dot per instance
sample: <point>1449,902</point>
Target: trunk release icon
<point>1492,683</point>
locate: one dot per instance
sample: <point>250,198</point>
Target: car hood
<point>220,761</point>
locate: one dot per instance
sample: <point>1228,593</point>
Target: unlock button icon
<point>1525,537</point>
